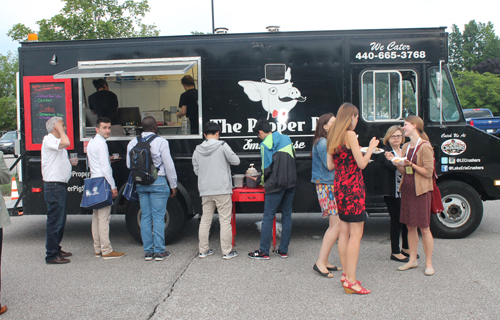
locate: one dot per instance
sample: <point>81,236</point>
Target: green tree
<point>9,65</point>
<point>92,19</point>
<point>475,44</point>
<point>478,90</point>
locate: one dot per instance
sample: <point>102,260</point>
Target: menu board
<point>46,97</point>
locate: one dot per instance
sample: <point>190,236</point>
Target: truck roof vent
<point>273,28</point>
<point>221,30</point>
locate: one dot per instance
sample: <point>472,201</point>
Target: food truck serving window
<point>388,95</point>
<point>126,91</point>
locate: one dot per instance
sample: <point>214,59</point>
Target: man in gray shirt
<point>211,163</point>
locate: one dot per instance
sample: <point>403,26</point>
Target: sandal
<point>324,274</point>
<point>344,277</point>
<point>334,268</point>
<point>349,290</point>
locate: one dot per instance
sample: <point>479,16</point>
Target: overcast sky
<point>182,17</point>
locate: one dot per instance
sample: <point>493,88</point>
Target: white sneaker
<point>208,253</point>
<point>230,255</point>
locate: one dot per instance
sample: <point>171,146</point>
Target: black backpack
<point>141,162</point>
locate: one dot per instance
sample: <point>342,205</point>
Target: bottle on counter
<point>185,126</point>
<point>252,177</point>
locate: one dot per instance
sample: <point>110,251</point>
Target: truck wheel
<point>463,211</point>
<point>174,220</point>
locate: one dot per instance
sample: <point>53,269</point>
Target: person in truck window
<point>322,176</point>
<point>279,176</point>
<point>349,188</point>
<point>393,139</point>
<point>188,103</point>
<point>56,172</point>
<point>212,162</point>
<point>416,191</point>
<point>104,103</point>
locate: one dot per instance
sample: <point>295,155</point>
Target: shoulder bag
<point>96,193</point>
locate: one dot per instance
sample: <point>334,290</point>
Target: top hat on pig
<point>275,91</point>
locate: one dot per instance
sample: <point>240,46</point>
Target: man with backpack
<point>151,165</point>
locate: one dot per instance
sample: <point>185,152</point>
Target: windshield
<point>9,136</point>
<point>450,107</point>
<point>471,113</point>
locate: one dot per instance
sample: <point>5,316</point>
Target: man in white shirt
<point>153,198</point>
<point>56,172</point>
<point>100,166</point>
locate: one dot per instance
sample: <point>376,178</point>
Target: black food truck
<point>290,78</point>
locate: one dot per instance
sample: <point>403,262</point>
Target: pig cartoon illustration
<point>276,91</point>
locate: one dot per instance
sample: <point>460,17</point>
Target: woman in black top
<point>393,140</point>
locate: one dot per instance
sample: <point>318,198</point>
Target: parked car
<point>7,142</point>
<point>483,119</point>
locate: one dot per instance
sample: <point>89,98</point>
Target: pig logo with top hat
<point>275,91</point>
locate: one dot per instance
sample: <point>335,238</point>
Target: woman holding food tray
<point>394,138</point>
<point>417,168</point>
<point>349,189</point>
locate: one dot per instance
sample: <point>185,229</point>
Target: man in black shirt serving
<point>104,103</point>
<point>188,103</point>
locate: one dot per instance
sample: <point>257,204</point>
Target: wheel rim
<point>457,211</point>
<point>167,218</point>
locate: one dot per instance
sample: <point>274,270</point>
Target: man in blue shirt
<point>279,176</point>
<point>153,197</point>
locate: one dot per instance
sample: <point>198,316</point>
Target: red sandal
<point>350,290</point>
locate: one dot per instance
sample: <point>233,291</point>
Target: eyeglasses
<point>396,136</point>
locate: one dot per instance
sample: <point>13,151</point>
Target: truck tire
<point>463,211</point>
<point>175,218</point>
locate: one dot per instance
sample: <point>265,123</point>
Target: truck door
<point>466,159</point>
<point>385,96</point>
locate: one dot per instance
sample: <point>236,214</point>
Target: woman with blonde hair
<point>323,176</point>
<point>416,187</point>
<point>391,180</point>
<point>349,189</point>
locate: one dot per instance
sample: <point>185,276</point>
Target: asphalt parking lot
<point>466,284</point>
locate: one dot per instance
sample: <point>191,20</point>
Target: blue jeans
<point>153,199</point>
<point>271,204</point>
<point>55,195</point>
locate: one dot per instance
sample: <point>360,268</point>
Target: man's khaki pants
<point>100,230</point>
<point>224,208</point>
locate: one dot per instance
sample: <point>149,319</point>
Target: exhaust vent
<point>273,28</point>
<point>221,30</point>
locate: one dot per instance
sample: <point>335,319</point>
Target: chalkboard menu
<point>46,97</point>
<point>47,101</point>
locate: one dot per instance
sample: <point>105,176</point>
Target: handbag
<point>436,200</point>
<point>96,193</point>
<point>130,192</point>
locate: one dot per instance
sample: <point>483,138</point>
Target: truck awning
<point>123,68</point>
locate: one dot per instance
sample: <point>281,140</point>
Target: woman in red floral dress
<point>343,146</point>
